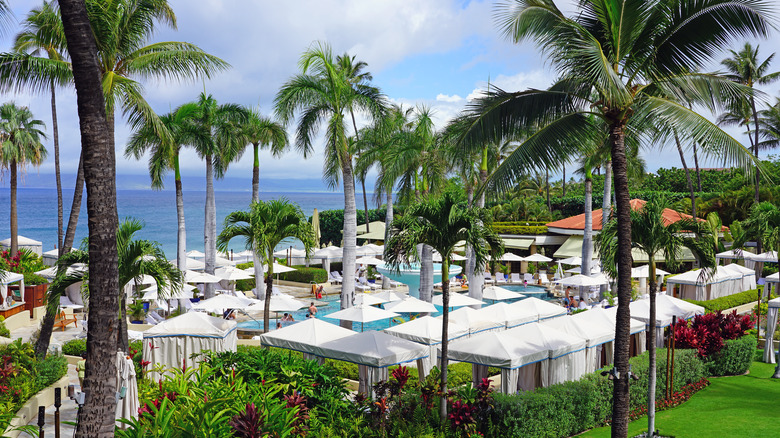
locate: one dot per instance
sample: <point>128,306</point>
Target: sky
<point>437,53</point>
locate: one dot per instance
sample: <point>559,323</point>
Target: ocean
<point>37,213</point>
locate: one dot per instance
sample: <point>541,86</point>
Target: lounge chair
<point>66,303</point>
<point>156,316</point>
<point>151,321</point>
<point>335,278</point>
<point>515,278</point>
<point>543,279</point>
<point>363,282</point>
<point>529,278</point>
<point>489,278</point>
<point>500,278</point>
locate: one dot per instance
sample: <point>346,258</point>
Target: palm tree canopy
<point>441,224</point>
<point>20,136</point>
<point>661,242</point>
<point>42,32</point>
<point>216,131</point>
<point>763,224</point>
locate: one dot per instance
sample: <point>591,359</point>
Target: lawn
<point>737,406</point>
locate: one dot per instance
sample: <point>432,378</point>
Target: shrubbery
<point>707,332</point>
<point>734,358</point>
<point>302,274</point>
<point>729,301</point>
<point>502,228</point>
<point>75,347</point>
<point>4,332</point>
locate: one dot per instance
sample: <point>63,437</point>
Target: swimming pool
<point>333,305</point>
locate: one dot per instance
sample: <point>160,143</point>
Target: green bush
<point>50,370</point>
<point>734,358</point>
<point>302,274</point>
<point>729,301</point>
<point>75,347</point>
<point>3,329</point>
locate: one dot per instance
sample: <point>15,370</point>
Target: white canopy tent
<point>498,293</point>
<point>362,313</point>
<point>306,336</point>
<point>8,278</point>
<point>172,343</point>
<point>456,300</point>
<point>666,308</point>
<point>511,316</point>
<point>23,243</point>
<point>373,352</point>
<point>704,285</point>
<point>367,299</point>
<point>476,321</point>
<point>771,325</point>
<point>771,283</point>
<point>595,331</point>
<point>427,331</point>
<point>544,309</point>
<point>411,304</point>
<point>638,329</point>
<point>748,275</point>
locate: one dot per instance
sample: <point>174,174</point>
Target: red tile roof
<point>578,222</point>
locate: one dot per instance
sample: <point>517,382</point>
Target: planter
<point>146,306</point>
<point>136,322</point>
<point>29,410</point>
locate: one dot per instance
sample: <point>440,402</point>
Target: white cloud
<point>446,98</point>
<point>538,79</point>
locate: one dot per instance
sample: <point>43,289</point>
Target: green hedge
<point>520,229</point>
<point>302,274</point>
<point>729,301</point>
<point>75,347</point>
<point>520,223</point>
<point>569,408</point>
<point>734,358</point>
<point>3,329</point>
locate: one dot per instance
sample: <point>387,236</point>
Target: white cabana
<point>8,278</point>
<point>704,285</point>
<point>23,243</point>
<point>580,280</point>
<point>595,331</point>
<point>172,343</point>
<point>411,304</point>
<point>735,254</point>
<point>475,320</point>
<point>367,299</point>
<point>771,325</point>
<point>536,258</point>
<point>427,331</point>
<point>219,303</point>
<point>666,308</point>
<point>638,329</point>
<point>279,303</point>
<point>771,284</point>
<point>679,308</point>
<point>566,360</point>
<point>306,336</point>
<point>200,277</point>
<point>456,300</point>
<point>191,263</point>
<point>543,309</point>
<point>511,316</point>
<point>498,293</point>
<point>748,275</point>
<point>362,313</point>
<point>576,261</point>
<point>373,352</point>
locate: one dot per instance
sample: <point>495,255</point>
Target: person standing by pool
<point>313,310</point>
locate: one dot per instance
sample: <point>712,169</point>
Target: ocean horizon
<point>37,212</point>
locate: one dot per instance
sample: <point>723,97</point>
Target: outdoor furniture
<point>364,282</point>
<point>543,279</point>
<point>63,320</point>
<point>489,278</point>
<point>529,278</point>
<point>515,278</point>
<point>500,278</point>
<point>335,278</point>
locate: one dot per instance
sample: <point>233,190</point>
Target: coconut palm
<point>323,93</point>
<point>263,227</point>
<point>20,137</point>
<point>769,126</point>
<point>661,242</point>
<point>745,67</point>
<point>41,34</point>
<point>262,133</point>
<point>165,146</point>
<point>622,72</point>
<point>216,137</point>
<point>441,224</point>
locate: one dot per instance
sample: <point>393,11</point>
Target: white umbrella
<point>497,293</point>
<point>390,296</point>
<point>582,281</point>
<point>127,406</point>
<point>195,254</point>
<point>368,299</point>
<point>200,277</point>
<point>220,261</point>
<point>245,253</point>
<point>279,303</point>
<point>329,252</point>
<point>362,314</point>
<point>511,257</point>
<point>191,264</point>
<point>294,253</point>
<point>369,260</point>
<point>411,305</point>
<point>232,274</point>
<point>454,257</point>
<point>366,250</point>
<point>577,261</point>
<point>221,302</point>
<point>578,270</point>
<point>457,300</point>
<point>644,272</point>
<point>536,258</point>
<point>151,293</point>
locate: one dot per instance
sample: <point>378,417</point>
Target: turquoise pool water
<point>333,305</point>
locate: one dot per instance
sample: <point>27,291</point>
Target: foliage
<point>729,301</point>
<point>734,358</point>
<point>708,332</point>
<point>75,347</point>
<point>24,262</point>
<point>332,223</point>
<point>302,274</point>
<point>4,332</point>
<point>519,229</point>
<point>50,369</point>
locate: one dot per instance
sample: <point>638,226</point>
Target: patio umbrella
<point>368,299</point>
<point>362,314</point>
<point>497,293</point>
<point>151,293</point>
<point>232,274</point>
<point>411,305</point>
<point>329,252</point>
<point>369,260</point>
<point>127,406</point>
<point>219,303</point>
<point>536,258</point>
<point>366,250</point>
<point>577,261</point>
<point>511,257</point>
<point>200,277</point>
<point>195,254</point>
<point>454,257</point>
<point>457,300</point>
<point>390,296</point>
<point>191,263</point>
<point>580,280</point>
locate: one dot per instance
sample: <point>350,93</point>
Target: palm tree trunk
<point>445,323</point>
<point>122,342</point>
<point>44,337</point>
<point>564,180</point>
<point>96,417</point>
<point>477,280</point>
<point>256,173</point>
<point>468,270</point>
<point>256,252</point>
<point>651,351</point>
<point>209,227</point>
<point>388,224</point>
<point>620,397</point>
<point>365,200</point>
<point>57,176</point>
<point>606,205</point>
<point>547,186</point>
<point>687,175</point>
<point>181,234</point>
<point>696,163</point>
<point>75,207</point>
<point>269,290</point>
<point>14,220</point>
<point>426,273</point>
<point>755,148</point>
<point>587,234</point>
<point>350,241</point>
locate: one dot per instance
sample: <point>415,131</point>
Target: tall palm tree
<point>618,60</point>
<point>769,124</point>
<point>20,144</point>
<point>96,417</point>
<point>217,135</point>
<point>42,33</point>
<point>661,242</point>
<point>441,224</point>
<point>165,146</point>
<point>262,132</point>
<point>263,227</point>
<point>744,67</point>
<point>323,94</point>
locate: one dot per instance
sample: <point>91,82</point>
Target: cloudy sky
<point>433,52</point>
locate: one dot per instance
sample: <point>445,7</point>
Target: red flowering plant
<point>707,333</point>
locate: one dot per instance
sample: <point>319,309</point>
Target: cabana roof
<point>375,349</point>
<point>594,331</point>
<point>427,330</point>
<point>306,336</point>
<point>544,309</point>
<point>194,324</point>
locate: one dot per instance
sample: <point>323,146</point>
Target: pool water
<point>333,305</point>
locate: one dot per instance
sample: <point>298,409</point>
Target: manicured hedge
<point>302,274</point>
<point>734,358</point>
<point>729,301</point>
<point>519,229</point>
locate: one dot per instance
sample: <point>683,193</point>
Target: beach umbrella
<point>220,302</point>
<point>536,258</point>
<point>279,303</point>
<point>221,262</point>
<point>511,257</point>
<point>127,406</point>
<point>577,261</point>
<point>411,305</point>
<point>232,274</point>
<point>362,314</point>
<point>190,264</point>
<point>329,252</point>
<point>457,300</point>
<point>390,296</point>
<point>368,299</point>
<point>151,293</point>
<point>582,281</point>
<point>454,257</point>
<point>200,277</point>
<point>369,260</point>
<point>195,254</point>
<point>497,293</point>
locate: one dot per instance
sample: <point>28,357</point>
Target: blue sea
<point>37,213</point>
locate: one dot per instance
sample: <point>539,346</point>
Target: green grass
<point>736,406</point>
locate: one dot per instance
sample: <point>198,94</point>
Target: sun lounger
<point>543,279</point>
<point>62,320</point>
<point>156,316</point>
<point>187,304</point>
<point>335,278</point>
<point>500,278</point>
<point>515,278</point>
<point>529,278</point>
<point>66,303</point>
<point>364,282</point>
<point>488,278</point>
<point>151,321</point>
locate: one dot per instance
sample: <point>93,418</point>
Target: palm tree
<point>652,236</point>
<point>441,224</point>
<point>620,71</point>
<point>96,417</point>
<point>165,145</point>
<point>42,34</point>
<point>21,136</point>
<point>263,227</point>
<point>744,67</point>
<point>217,137</point>
<point>262,132</point>
<point>769,124</point>
<point>324,94</point>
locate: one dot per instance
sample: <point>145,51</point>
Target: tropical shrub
<point>302,274</point>
<point>729,301</point>
<point>24,262</point>
<point>734,358</point>
<point>518,229</point>
<point>4,332</point>
<point>332,223</point>
<point>708,332</point>
<point>75,347</point>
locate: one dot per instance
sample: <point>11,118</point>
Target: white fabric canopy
<point>544,309</point>
<point>571,261</point>
<point>329,252</point>
<point>219,303</point>
<point>232,274</point>
<point>456,300</point>
<point>596,332</point>
<point>748,275</point>
<point>200,277</point>
<point>771,325</point>
<point>172,343</point>
<point>475,320</point>
<point>8,278</point>
<point>368,260</point>
<point>705,284</point>
<point>536,258</point>
<point>511,257</point>
<point>389,296</point>
<point>306,336</point>
<point>127,407</point>
<point>498,293</point>
<point>644,272</point>
<point>766,257</point>
<point>735,254</point>
<point>279,303</point>
<point>411,305</point>
<point>427,331</point>
<point>368,299</point>
<point>582,281</point>
<point>510,315</point>
<point>362,313</point>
